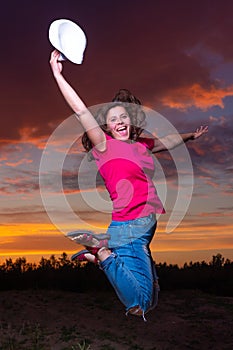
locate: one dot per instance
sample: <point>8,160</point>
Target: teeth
<point>122,128</point>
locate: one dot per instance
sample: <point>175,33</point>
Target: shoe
<point>80,256</point>
<point>93,242</point>
<point>98,236</point>
<point>136,310</point>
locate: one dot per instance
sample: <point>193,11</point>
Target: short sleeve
<point>147,142</point>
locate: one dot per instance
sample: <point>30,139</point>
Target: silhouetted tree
<point>217,261</point>
<point>61,273</point>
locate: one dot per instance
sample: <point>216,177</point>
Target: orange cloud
<point>63,141</point>
<point>36,240</point>
<point>197,96</point>
<point>21,161</point>
<point>221,121</point>
<point>205,170</point>
<point>217,214</point>
<point>198,149</point>
<point>28,135</point>
<point>212,184</point>
<point>218,148</point>
<point>189,238</point>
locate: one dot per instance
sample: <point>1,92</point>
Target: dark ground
<point>59,320</point>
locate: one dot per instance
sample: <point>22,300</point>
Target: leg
<point>123,281</point>
<point>130,268</point>
<point>96,245</point>
<point>84,255</point>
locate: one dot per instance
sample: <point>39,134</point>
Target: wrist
<point>192,136</point>
<point>58,76</point>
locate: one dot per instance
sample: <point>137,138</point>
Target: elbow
<point>160,148</point>
<point>80,112</point>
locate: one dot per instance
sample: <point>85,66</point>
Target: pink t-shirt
<point>127,169</point>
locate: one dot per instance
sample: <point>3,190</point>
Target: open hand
<point>200,131</point>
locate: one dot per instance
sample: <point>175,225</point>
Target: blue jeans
<point>130,268</point>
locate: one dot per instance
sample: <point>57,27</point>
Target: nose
<point>120,120</point>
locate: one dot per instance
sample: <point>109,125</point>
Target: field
<point>59,320</point>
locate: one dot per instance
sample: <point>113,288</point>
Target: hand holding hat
<point>69,39</point>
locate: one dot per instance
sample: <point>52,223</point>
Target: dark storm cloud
<point>154,48</point>
<point>15,181</point>
<point>143,46</point>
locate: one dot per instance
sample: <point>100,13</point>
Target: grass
<point>68,333</point>
<point>55,320</point>
<point>25,337</point>
<point>81,346</point>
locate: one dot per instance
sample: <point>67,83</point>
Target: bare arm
<point>95,133</point>
<point>174,140</point>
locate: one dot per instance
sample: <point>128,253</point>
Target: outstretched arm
<point>174,140</point>
<point>95,133</point>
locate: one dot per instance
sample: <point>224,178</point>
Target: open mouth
<point>122,130</point>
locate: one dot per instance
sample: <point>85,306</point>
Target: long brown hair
<point>124,95</point>
<point>131,104</point>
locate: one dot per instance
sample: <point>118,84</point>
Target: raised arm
<point>171,141</point>
<point>95,133</point>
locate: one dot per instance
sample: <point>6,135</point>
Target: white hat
<point>68,38</point>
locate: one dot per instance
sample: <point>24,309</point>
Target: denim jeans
<point>130,268</point>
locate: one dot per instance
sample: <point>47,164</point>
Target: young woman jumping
<point>125,161</point>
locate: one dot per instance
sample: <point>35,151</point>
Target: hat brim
<point>69,39</point>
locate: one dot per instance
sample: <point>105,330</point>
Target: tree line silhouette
<point>61,273</point>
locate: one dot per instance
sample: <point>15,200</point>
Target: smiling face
<point>118,123</point>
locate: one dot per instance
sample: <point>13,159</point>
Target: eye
<point>113,120</point>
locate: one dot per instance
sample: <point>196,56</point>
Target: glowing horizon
<point>36,240</point>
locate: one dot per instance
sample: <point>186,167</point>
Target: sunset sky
<point>176,57</point>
